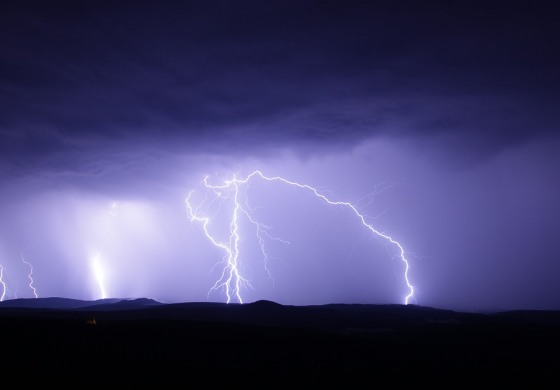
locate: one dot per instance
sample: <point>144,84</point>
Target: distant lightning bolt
<point>96,264</point>
<point>30,276</point>
<point>4,287</point>
<point>231,279</point>
<point>98,272</point>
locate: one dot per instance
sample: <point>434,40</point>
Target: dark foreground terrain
<point>264,344</point>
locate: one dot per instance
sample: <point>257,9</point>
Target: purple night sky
<point>439,123</point>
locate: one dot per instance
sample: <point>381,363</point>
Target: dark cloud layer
<point>76,75</point>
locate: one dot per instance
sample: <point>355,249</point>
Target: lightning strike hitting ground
<point>30,276</point>
<point>4,287</point>
<point>98,273</point>
<point>231,279</point>
<point>96,263</point>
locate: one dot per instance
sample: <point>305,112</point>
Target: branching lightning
<point>231,279</point>
<point>4,287</point>
<point>30,276</point>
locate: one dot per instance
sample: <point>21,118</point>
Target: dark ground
<point>263,344</point>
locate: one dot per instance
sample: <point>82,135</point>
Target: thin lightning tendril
<point>4,287</point>
<point>261,232</point>
<point>30,276</point>
<point>231,280</point>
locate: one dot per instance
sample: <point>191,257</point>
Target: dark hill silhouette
<point>70,304</point>
<point>142,340</point>
<point>121,304</point>
<point>53,303</point>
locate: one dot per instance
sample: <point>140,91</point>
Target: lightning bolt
<point>98,272</point>
<point>231,279</point>
<point>4,287</point>
<point>30,276</point>
<point>96,264</point>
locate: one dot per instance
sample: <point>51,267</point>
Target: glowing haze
<point>303,152</point>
